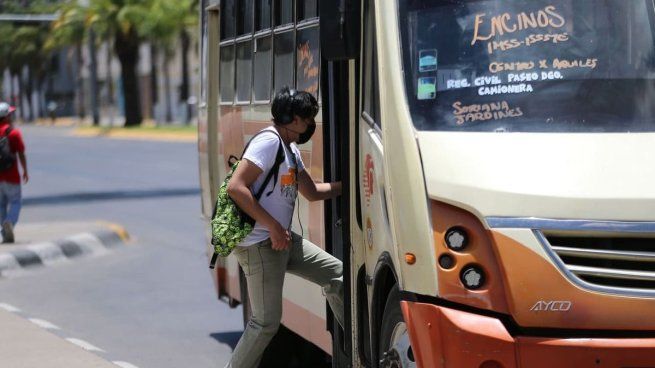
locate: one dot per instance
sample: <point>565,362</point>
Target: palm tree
<point>167,19</point>
<point>122,19</point>
<point>5,47</point>
<point>27,53</point>
<point>127,23</point>
<point>185,40</point>
<point>69,30</point>
<point>23,51</point>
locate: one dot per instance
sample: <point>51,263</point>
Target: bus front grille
<point>613,263</point>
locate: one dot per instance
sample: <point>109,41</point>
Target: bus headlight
<point>467,266</point>
<point>457,239</point>
<point>472,277</point>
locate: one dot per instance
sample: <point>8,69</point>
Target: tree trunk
<point>18,96</point>
<point>184,88</point>
<point>79,83</point>
<point>154,82</point>
<point>127,50</point>
<point>29,90</point>
<point>12,92</point>
<point>95,103</point>
<point>110,83</point>
<point>110,74</point>
<point>41,93</point>
<point>167,87</point>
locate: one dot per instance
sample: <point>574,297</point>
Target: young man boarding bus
<point>272,248</point>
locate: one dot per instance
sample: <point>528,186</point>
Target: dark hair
<point>289,102</point>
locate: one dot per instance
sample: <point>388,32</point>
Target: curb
<point>51,252</point>
<point>144,136</point>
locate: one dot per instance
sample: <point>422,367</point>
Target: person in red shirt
<point>10,180</point>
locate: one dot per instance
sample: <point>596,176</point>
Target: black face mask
<point>307,135</point>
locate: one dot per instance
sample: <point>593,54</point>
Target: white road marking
<point>43,324</point>
<point>84,345</point>
<point>125,364</point>
<point>9,308</point>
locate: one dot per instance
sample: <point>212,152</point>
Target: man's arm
<point>317,191</point>
<point>238,189</point>
<point>23,163</point>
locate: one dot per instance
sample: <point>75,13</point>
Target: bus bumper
<point>444,338</point>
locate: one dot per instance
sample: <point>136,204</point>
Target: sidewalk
<point>43,244</point>
<point>24,345</point>
<point>148,130</point>
<point>144,133</point>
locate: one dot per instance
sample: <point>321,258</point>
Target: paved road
<point>150,303</point>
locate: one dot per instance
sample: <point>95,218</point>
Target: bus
<point>497,163</point>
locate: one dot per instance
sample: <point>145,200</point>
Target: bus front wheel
<point>395,349</point>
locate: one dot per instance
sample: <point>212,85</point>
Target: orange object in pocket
<point>289,179</point>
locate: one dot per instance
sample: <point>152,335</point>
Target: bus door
<point>339,91</point>
<point>336,113</point>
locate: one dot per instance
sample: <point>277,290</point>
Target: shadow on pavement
<point>106,196</point>
<point>285,350</point>
<point>229,338</point>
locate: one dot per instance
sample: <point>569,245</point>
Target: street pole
<point>94,78</point>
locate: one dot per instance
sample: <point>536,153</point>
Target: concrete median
<point>43,244</point>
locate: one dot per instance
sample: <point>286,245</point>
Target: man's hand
<point>26,178</point>
<point>280,237</point>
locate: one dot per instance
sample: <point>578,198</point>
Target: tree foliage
<point>23,46</point>
<point>128,23</point>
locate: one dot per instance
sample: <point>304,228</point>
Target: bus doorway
<point>337,105</point>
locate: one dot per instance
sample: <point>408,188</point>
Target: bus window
<point>227,74</point>
<point>370,91</point>
<point>306,9</point>
<point>228,26</point>
<point>283,12</point>
<point>308,60</point>
<point>530,66</point>
<point>284,61</point>
<point>263,15</point>
<point>244,17</point>
<point>262,69</point>
<point>244,71</point>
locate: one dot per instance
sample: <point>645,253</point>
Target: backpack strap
<point>253,138</point>
<point>273,173</point>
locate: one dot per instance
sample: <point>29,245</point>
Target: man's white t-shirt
<point>281,202</point>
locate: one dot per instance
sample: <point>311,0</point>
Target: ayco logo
<point>552,306</point>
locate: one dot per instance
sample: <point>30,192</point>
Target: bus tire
<point>394,346</point>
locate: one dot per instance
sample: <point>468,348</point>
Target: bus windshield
<point>529,65</point>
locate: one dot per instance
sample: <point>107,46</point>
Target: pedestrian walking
<point>12,149</point>
<point>272,249</point>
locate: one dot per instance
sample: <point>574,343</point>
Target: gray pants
<point>265,269</point>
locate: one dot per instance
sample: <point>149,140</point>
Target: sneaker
<point>7,232</point>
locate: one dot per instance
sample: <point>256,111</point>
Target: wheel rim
<point>399,354</point>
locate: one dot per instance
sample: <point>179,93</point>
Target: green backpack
<point>230,225</point>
